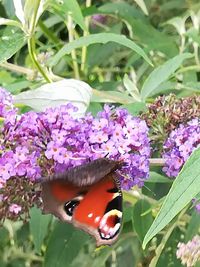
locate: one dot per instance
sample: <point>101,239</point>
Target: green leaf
<point>72,7</point>
<point>98,54</point>
<point>94,108</point>
<point>158,178</point>
<point>17,86</point>
<point>142,5</point>
<point>141,28</point>
<point>4,237</point>
<point>162,245</point>
<point>135,108</point>
<point>194,35</point>
<point>98,38</point>
<point>64,245</point>
<point>10,22</point>
<point>191,86</point>
<point>161,74</point>
<point>39,227</point>
<point>193,226</point>
<point>11,41</point>
<point>141,220</point>
<point>183,190</point>
<point>111,97</point>
<point>131,88</point>
<point>127,213</point>
<point>30,13</point>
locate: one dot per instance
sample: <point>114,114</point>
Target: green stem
<point>189,68</point>
<point>196,53</point>
<point>16,68</point>
<point>73,53</point>
<point>133,196</point>
<point>31,49</point>
<point>18,254</point>
<point>49,34</point>
<point>33,21</point>
<point>166,236</point>
<point>182,46</point>
<point>85,33</point>
<point>157,161</point>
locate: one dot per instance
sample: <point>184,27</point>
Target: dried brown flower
<point>166,113</point>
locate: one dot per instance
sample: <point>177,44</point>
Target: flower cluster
<point>6,102</point>
<point>41,144</point>
<point>180,144</point>
<point>7,110</point>
<point>189,253</point>
<point>166,113</point>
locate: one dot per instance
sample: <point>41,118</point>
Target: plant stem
<point>31,49</point>
<point>73,53</point>
<point>17,253</point>
<point>85,33</point>
<point>196,53</point>
<point>16,68</point>
<point>166,236</point>
<point>133,196</point>
<point>189,68</point>
<point>31,41</point>
<point>33,20</point>
<point>157,161</point>
<point>182,46</point>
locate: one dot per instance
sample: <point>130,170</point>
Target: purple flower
<point>35,145</point>
<point>197,207</point>
<point>7,110</point>
<point>179,146</point>
<point>82,140</point>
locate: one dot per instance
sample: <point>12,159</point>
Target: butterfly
<point>88,196</point>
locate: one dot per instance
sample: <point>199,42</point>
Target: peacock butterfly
<point>89,197</point>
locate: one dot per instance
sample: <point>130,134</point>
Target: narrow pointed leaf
<point>102,38</point>
<point>161,74</point>
<point>183,190</point>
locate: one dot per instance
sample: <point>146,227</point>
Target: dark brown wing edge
<point>87,174</point>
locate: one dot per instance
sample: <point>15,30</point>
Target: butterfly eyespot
<point>110,224</point>
<point>70,206</point>
<point>89,197</point>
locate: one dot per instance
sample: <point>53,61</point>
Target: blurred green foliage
<point>130,53</point>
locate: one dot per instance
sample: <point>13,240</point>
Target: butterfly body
<point>93,205</point>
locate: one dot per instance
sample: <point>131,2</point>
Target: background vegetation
<point>130,53</point>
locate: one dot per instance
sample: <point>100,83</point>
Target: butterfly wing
<point>100,211</point>
<point>94,205</point>
<point>55,194</point>
<point>89,173</point>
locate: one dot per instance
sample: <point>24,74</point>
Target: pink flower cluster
<point>179,146</point>
<point>189,253</point>
<point>35,145</point>
<point>7,110</point>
